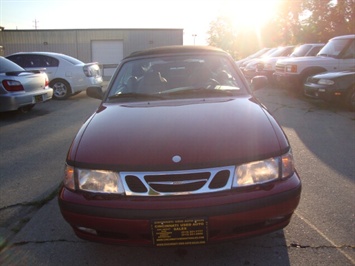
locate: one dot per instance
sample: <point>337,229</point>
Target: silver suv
<point>67,75</point>
<point>337,55</point>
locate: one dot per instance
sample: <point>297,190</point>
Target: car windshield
<point>282,51</point>
<point>177,76</point>
<point>259,53</point>
<point>301,50</point>
<point>335,47</point>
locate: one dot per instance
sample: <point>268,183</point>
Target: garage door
<point>108,54</point>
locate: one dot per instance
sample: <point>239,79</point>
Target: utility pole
<point>36,23</point>
<point>194,36</point>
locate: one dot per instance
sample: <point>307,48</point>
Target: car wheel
<point>61,89</point>
<point>350,99</point>
<point>25,109</point>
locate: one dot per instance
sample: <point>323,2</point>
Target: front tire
<point>61,89</point>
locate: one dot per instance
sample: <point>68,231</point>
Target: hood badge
<point>176,159</point>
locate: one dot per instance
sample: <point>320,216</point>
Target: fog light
<point>87,230</point>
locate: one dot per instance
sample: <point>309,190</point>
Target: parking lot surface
<point>322,231</point>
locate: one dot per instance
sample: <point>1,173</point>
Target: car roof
<point>351,36</point>
<point>314,44</point>
<point>176,49</point>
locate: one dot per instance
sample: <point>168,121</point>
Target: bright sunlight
<point>252,13</point>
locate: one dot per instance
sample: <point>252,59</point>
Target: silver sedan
<point>21,89</point>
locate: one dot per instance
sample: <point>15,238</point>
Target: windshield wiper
<point>136,95</point>
<point>198,90</point>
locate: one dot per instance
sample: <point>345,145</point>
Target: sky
<point>194,16</point>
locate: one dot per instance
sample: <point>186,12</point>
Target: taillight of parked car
<point>91,70</point>
<point>12,85</point>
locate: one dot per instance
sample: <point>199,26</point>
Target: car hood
<point>332,75</point>
<point>203,133</point>
<point>315,59</point>
<point>273,59</point>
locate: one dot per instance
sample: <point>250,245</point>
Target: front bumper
<point>16,100</point>
<point>229,215</point>
<point>323,92</point>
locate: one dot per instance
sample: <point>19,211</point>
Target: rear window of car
<point>8,66</point>
<point>34,60</point>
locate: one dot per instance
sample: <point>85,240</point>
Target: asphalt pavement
<point>321,232</point>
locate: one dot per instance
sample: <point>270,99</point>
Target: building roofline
<point>91,29</point>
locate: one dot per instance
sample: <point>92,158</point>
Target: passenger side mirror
<point>95,92</point>
<point>258,82</point>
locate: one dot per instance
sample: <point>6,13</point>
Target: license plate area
<point>38,98</point>
<point>179,232</point>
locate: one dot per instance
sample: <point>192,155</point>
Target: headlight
<point>259,172</point>
<point>98,181</point>
<point>325,82</point>
<point>291,68</point>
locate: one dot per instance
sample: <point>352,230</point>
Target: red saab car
<point>179,152</point>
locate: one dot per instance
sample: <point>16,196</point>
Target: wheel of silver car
<point>350,99</point>
<point>61,89</point>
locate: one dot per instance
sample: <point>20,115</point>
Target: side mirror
<point>95,92</point>
<point>259,82</point>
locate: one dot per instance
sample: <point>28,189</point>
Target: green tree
<point>223,35</point>
<point>285,26</point>
<point>317,27</point>
<point>294,22</point>
<point>237,42</point>
<point>342,17</point>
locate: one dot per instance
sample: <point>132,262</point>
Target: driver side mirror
<point>258,82</point>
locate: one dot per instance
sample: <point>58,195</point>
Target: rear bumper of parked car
<point>16,100</point>
<point>82,84</point>
<point>229,215</point>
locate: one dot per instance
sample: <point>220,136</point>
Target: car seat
<point>152,82</point>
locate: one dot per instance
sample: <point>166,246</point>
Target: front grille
<point>177,182</point>
<point>280,68</point>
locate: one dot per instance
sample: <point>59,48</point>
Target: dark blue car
<point>335,87</point>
